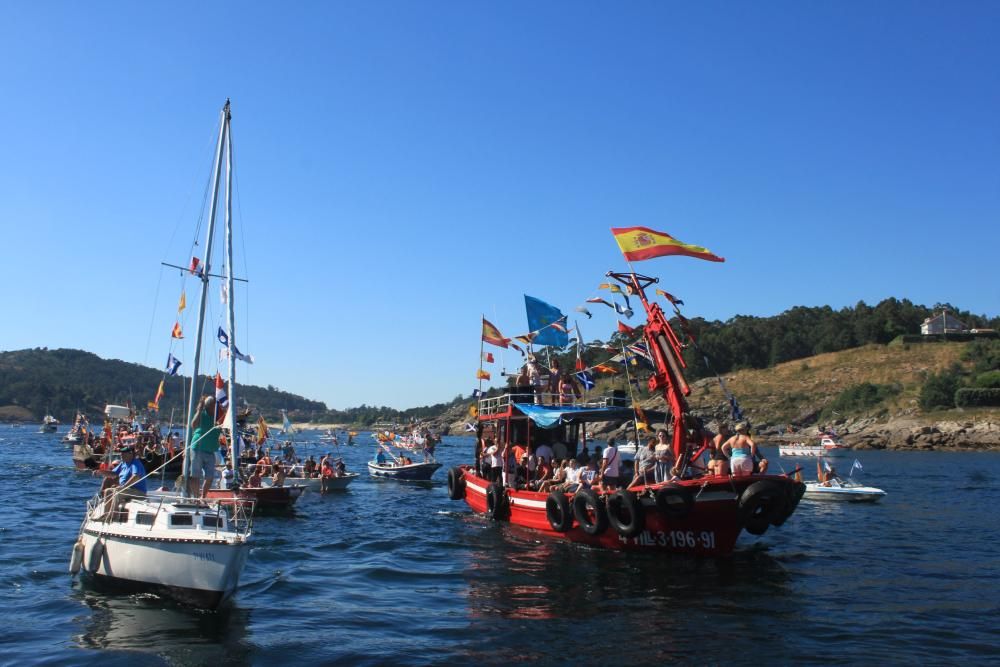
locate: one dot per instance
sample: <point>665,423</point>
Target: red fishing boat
<point>702,515</point>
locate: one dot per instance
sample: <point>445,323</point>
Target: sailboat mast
<point>206,269</point>
<point>234,438</point>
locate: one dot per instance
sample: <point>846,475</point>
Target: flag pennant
<point>476,393</point>
<point>639,243</point>
<point>195,263</point>
<point>579,364</point>
<point>604,368</point>
<point>527,338</point>
<point>581,309</point>
<point>541,317</point>
<point>624,328</point>
<point>560,325</point>
<point>857,464</point>
<point>669,297</point>
<point>597,299</point>
<point>173,363</point>
<point>182,304</point>
<point>493,336</point>
<point>470,427</point>
<point>176,332</point>
<point>221,398</point>
<point>586,379</point>
<point>482,375</point>
<point>488,357</point>
<point>518,348</point>
<point>623,310</point>
<point>611,287</point>
<point>224,339</point>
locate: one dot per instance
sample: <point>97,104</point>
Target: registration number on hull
<point>677,539</point>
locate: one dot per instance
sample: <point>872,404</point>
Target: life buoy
<point>76,558</point>
<point>96,555</point>
<point>456,483</point>
<point>761,503</point>
<point>674,501</point>
<point>495,498</point>
<point>625,513</point>
<point>589,512</point>
<point>558,512</point>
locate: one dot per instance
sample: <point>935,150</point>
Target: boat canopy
<point>550,416</point>
<point>117,412</point>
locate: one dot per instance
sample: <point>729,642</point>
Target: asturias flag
<point>541,317</point>
<point>638,243</point>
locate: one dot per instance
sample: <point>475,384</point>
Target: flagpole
<point>479,376</point>
<point>628,381</point>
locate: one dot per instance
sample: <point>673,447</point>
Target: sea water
<point>396,573</point>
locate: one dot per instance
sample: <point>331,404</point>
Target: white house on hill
<point>942,323</point>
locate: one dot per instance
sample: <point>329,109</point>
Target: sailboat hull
<point>164,565</point>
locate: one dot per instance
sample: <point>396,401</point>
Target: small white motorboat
<point>843,490</point>
<point>49,424</point>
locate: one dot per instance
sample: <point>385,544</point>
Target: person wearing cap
<point>200,457</point>
<point>131,479</point>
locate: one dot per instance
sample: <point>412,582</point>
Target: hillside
<point>36,381</point>
<point>803,395</point>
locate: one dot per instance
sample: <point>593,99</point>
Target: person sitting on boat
<point>741,450</point>
<point>558,477</point>
<point>718,464</point>
<point>309,467</point>
<point>278,476</point>
<point>588,476</point>
<point>542,473</point>
<point>828,477</point>
<point>379,457</point>
<point>610,463</point>
<point>521,473</point>
<point>131,481</point>
<point>255,479</point>
<point>340,469</point>
<point>571,477</point>
<point>201,454</point>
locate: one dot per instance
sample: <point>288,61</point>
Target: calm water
<point>391,573</point>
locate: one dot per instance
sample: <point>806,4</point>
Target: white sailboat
<point>191,550</point>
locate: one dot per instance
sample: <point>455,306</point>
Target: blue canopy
<point>550,416</point>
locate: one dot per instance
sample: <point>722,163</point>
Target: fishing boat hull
<point>414,472</point>
<point>843,494</point>
<point>264,498</point>
<point>702,517</point>
<point>315,484</point>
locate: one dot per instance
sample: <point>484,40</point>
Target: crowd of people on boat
<point>555,388</point>
<point>552,467</point>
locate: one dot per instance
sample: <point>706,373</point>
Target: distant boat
<point>828,446</point>
<point>843,490</point>
<point>400,469</point>
<point>49,424</point>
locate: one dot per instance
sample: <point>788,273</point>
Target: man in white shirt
<point>609,465</point>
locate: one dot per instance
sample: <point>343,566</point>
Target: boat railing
<point>496,405</point>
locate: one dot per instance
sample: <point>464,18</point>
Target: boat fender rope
<point>625,513</point>
<point>589,512</point>
<point>558,512</point>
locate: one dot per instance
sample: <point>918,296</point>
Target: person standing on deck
<point>200,456</point>
<point>609,466</point>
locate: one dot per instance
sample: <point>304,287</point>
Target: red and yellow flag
<point>638,243</point>
<point>176,333</point>
<point>493,336</point>
<point>182,304</point>
<point>482,375</point>
<point>155,403</point>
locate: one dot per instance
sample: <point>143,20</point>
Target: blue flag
<point>586,379</point>
<point>540,316</point>
<point>173,364</point>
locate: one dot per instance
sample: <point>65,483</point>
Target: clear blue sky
<point>405,167</point>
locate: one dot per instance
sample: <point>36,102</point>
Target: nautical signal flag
<point>527,338</point>
<point>669,297</point>
<point>173,363</point>
<point>586,379</point>
<point>194,265</point>
<point>493,336</point>
<point>176,332</point>
<point>638,243</point>
<point>482,375</point>
<point>221,398</point>
<point>182,304</point>
<point>624,328</point>
<point>488,357</point>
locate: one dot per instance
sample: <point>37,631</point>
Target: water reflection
<point>151,625</point>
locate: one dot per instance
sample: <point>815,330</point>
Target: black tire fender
<point>456,483</point>
<point>674,501</point>
<point>761,503</point>
<point>625,513</point>
<point>558,512</point>
<point>589,512</point>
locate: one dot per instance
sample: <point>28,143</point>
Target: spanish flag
<point>493,336</point>
<point>482,375</point>
<point>638,243</point>
<point>155,403</point>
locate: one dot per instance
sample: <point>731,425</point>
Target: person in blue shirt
<point>131,479</point>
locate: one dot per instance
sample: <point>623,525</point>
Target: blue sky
<point>404,168</point>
